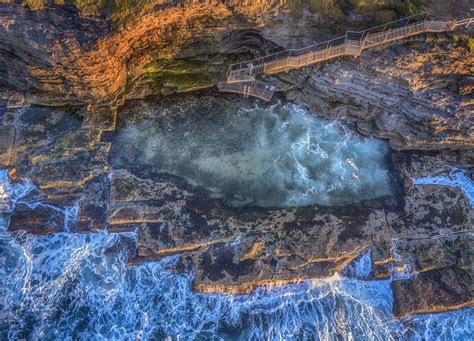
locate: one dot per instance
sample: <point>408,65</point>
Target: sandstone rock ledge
<point>424,239</point>
<point>417,95</point>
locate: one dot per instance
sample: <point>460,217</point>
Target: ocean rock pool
<point>277,155</point>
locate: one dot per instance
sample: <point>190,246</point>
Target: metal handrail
<point>378,35</point>
<point>256,89</point>
<point>241,76</point>
<point>328,42</point>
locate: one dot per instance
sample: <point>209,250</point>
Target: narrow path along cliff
<point>241,76</point>
<point>118,126</point>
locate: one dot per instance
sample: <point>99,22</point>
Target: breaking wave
<point>77,286</point>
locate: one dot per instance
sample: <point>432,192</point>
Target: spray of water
<point>79,286</point>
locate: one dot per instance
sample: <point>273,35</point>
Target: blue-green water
<point>67,286</point>
<point>281,155</point>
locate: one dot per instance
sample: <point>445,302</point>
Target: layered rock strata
<point>417,96</point>
<point>414,239</point>
<point>60,57</point>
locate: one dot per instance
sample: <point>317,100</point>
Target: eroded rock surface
<point>233,250</point>
<point>433,291</point>
<point>417,96</point>
<point>61,57</point>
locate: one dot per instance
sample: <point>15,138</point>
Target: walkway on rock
<point>241,77</point>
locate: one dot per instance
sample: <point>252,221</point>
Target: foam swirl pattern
<point>76,286</point>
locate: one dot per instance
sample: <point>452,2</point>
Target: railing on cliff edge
<point>241,76</point>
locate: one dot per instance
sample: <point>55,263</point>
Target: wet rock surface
<point>38,220</point>
<point>449,288</point>
<point>423,240</point>
<point>414,239</point>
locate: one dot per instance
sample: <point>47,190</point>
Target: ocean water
<point>79,287</point>
<point>280,155</point>
<point>455,178</point>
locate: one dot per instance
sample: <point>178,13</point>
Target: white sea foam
<point>12,194</point>
<point>4,189</point>
<point>270,156</point>
<point>88,295</point>
<point>454,179</point>
<point>68,286</point>
<point>360,268</point>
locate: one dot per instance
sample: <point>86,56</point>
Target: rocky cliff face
<point>64,58</point>
<point>418,101</point>
<point>419,96</point>
<point>418,238</point>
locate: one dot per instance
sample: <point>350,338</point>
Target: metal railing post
<point>428,27</point>
<point>328,47</point>
<point>386,36</point>
<point>363,43</point>
<point>453,25</point>
<point>409,31</point>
